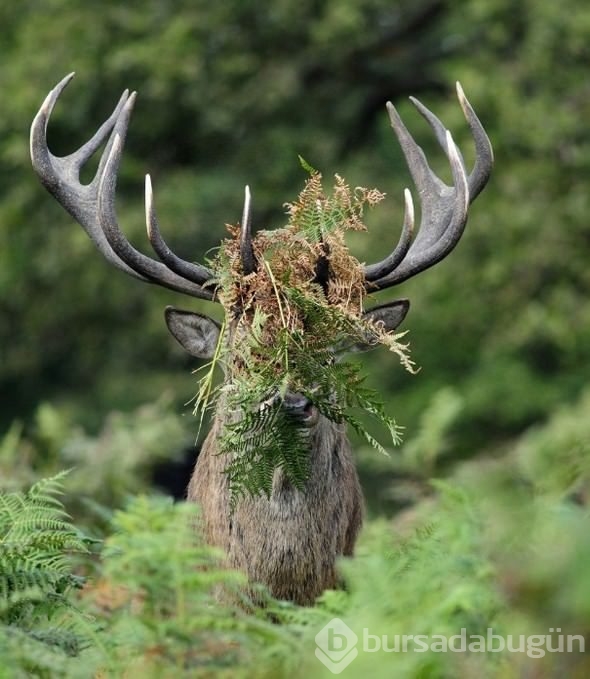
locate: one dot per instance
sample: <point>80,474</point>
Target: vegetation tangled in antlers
<point>301,305</point>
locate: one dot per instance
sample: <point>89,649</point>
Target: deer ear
<point>195,333</point>
<point>390,315</point>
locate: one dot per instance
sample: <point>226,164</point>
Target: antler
<point>93,205</point>
<point>444,208</point>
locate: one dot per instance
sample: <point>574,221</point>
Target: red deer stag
<point>290,541</point>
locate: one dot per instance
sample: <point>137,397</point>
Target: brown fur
<point>291,541</point>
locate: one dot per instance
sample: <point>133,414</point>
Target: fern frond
<point>37,540</point>
<point>286,326</point>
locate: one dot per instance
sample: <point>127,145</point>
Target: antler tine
<point>60,176</point>
<point>484,157</point>
<point>375,271</point>
<point>154,271</point>
<point>451,235</point>
<point>246,249</point>
<point>440,131</point>
<point>443,215</point>
<point>484,154</point>
<point>197,273</point>
<point>44,159</point>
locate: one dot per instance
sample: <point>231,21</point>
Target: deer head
<point>289,541</point>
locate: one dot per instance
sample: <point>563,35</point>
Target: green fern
<point>260,443</point>
<point>170,609</point>
<point>37,540</point>
<point>289,327</point>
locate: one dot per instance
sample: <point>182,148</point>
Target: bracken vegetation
<point>496,546</point>
<point>288,323</point>
<point>40,625</point>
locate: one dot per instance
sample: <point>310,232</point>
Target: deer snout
<point>300,407</point>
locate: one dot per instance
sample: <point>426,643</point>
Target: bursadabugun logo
<point>336,645</point>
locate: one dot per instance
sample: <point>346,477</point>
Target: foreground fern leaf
<point>37,540</point>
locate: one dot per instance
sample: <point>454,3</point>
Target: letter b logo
<point>336,645</point>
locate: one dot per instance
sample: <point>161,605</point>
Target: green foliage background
<point>229,95</point>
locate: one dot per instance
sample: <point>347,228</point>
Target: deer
<point>289,542</point>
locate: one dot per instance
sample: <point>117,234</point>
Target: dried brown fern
<point>303,301</point>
